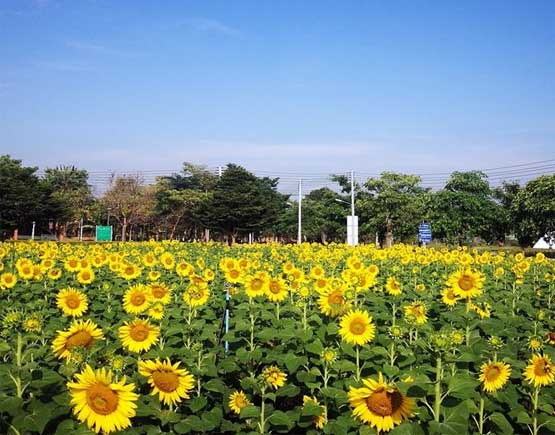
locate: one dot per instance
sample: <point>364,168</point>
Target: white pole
<point>219,171</point>
<point>353,193</point>
<point>81,230</point>
<point>300,217</point>
<point>33,232</point>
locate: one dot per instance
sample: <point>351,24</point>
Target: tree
<point>24,198</point>
<point>72,192</point>
<point>534,211</point>
<point>324,218</point>
<point>178,208</point>
<point>243,202</point>
<point>129,202</point>
<point>465,209</point>
<point>393,206</point>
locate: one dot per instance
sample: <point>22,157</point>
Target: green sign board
<point>103,233</point>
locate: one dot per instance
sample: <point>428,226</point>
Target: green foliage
<point>466,209</point>
<point>24,198</point>
<point>534,211</point>
<point>242,202</point>
<point>392,205</point>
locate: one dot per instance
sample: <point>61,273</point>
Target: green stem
<point>437,400</point>
<point>394,314</point>
<point>251,342</point>
<point>481,416</point>
<point>358,364</point>
<point>305,325</point>
<point>535,403</point>
<point>262,424</point>
<point>277,311</point>
<point>199,365</point>
<point>392,353</point>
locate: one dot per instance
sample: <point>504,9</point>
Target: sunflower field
<point>166,337</point>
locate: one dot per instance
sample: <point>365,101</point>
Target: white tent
<point>542,244</point>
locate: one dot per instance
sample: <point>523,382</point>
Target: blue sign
<point>424,233</point>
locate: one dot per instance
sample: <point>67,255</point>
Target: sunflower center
<point>234,273</point>
<point>240,402</point>
<point>73,301</point>
<point>466,283</point>
<point>256,284</point>
<point>79,339</point>
<point>492,373</point>
<point>158,292</point>
<point>86,276</point>
<point>165,381</point>
<point>336,299</point>
<point>542,368</point>
<point>275,288</point>
<point>138,299</point>
<point>357,327</point>
<point>102,399</point>
<point>139,332</point>
<point>384,403</point>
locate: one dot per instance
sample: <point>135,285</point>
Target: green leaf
<point>250,411</point>
<point>310,409</point>
<point>502,423</point>
<point>280,418</point>
<point>215,385</point>
<point>407,429</point>
<point>197,403</point>
<point>315,347</point>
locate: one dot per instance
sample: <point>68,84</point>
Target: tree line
<point>196,204</point>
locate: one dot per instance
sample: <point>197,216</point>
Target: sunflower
<point>380,404</point>
<point>72,302</point>
<point>256,285</point>
<point>32,324</point>
<point>138,335</point>
<point>160,293</point>
<point>393,286</point>
<point>136,299</point>
<point>55,274</point>
<point>332,303</point>
<point>318,420</point>
<point>233,275</point>
<point>85,276</point>
<point>167,260</point>
<point>449,297</point>
<point>171,383</point>
<point>416,312</point>
<point>81,334</point>
<point>237,401</point>
<point>274,376</point>
<point>104,405</point>
<point>7,280</point>
<point>466,283</point>
<point>540,371</point>
<point>356,327</point>
<point>276,290</point>
<point>129,271</point>
<point>196,296</point>
<point>156,311</point>
<point>494,375</point>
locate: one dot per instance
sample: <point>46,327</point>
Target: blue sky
<point>316,86</point>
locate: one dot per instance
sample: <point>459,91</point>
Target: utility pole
<point>33,232</point>
<point>81,230</point>
<point>300,217</point>
<point>352,193</point>
<point>352,221</point>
